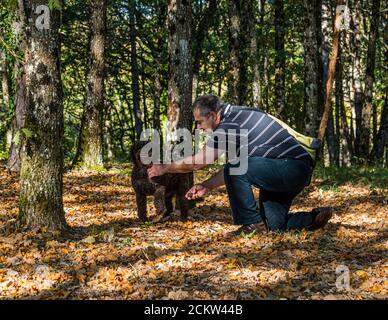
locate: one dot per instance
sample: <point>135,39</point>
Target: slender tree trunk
<point>381,144</point>
<point>144,95</point>
<point>179,113</point>
<point>369,80</point>
<point>266,81</point>
<point>348,139</point>
<point>157,96</point>
<point>180,66</point>
<point>357,75</point>
<point>135,69</point>
<point>5,83</point>
<point>239,11</point>
<point>5,107</point>
<point>41,183</point>
<point>331,72</point>
<point>256,88</point>
<point>280,59</point>
<point>90,145</point>
<point>108,141</point>
<point>20,100</point>
<point>200,34</point>
<point>158,74</point>
<point>313,99</point>
<point>331,133</point>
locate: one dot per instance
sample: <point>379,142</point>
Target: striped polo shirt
<point>254,129</point>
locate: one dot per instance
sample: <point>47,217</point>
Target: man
<point>277,164</point>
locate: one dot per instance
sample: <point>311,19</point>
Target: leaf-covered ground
<point>111,255</point>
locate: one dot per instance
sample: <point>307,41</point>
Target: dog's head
<point>136,148</point>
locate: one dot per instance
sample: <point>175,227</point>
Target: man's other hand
<point>157,170</point>
<point>196,192</point>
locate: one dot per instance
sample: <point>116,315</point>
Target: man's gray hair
<point>207,104</point>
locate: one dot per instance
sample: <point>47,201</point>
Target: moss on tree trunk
<point>41,179</point>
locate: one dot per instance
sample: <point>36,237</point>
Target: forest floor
<point>113,256</point>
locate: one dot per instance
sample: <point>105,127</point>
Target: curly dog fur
<point>163,188</point>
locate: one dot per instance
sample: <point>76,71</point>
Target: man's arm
<point>200,190</point>
<point>215,181</point>
<point>200,160</point>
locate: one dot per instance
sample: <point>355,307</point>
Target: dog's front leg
<point>141,202</point>
<point>160,200</point>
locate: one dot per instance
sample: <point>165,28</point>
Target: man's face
<point>207,123</point>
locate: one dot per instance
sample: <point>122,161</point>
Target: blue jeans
<point>280,181</point>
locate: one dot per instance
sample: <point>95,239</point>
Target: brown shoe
<point>251,229</point>
<point>322,217</point>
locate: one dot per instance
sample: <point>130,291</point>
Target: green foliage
<point>3,155</point>
<point>329,178</point>
<point>10,5</point>
<point>22,134</point>
<point>55,5</point>
<point>147,225</point>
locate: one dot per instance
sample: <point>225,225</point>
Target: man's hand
<point>157,170</point>
<point>197,191</point>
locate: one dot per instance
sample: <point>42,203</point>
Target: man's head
<point>206,111</point>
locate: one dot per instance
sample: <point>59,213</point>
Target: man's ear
<point>217,116</point>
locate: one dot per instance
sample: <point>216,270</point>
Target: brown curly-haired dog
<point>163,188</point>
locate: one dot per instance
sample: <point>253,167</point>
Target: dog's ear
<point>135,154</point>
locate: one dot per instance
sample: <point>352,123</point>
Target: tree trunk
<point>201,31</point>
<point>135,69</point>
<point>5,107</point>
<point>5,81</point>
<point>331,72</point>
<point>41,178</point>
<point>239,11</point>
<point>179,112</point>
<point>90,145</point>
<point>144,95</point>
<point>280,59</point>
<point>159,61</point>
<point>266,82</point>
<point>369,80</point>
<point>357,74</point>
<point>254,58</point>
<point>20,101</point>
<point>313,99</point>
<point>180,66</point>
<point>382,135</point>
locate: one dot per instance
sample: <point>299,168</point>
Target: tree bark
<point>257,98</point>
<point>90,145</point>
<point>41,178</point>
<point>158,73</point>
<point>369,81</point>
<point>6,104</point>
<point>357,74</point>
<point>20,100</point>
<point>135,69</point>
<point>313,99</point>
<point>280,59</point>
<point>382,135</point>
<point>331,72</point>
<point>179,112</point>
<point>239,11</point>
<point>180,66</point>
<point>5,83</point>
<point>200,34</point>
